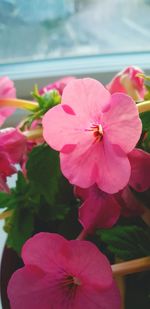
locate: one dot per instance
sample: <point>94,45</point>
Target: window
<point>46,38</point>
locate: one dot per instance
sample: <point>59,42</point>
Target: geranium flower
<point>12,148</point>
<point>102,210</point>
<point>58,85</point>
<point>94,131</point>
<point>62,274</point>
<point>128,82</point>
<point>7,90</point>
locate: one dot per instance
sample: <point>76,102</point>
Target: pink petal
<point>13,142</point>
<point>115,85</point>
<point>87,97</point>
<point>94,299</point>
<point>86,262</point>
<point>62,128</point>
<point>3,185</point>
<point>100,210</point>
<point>115,170</point>
<point>44,247</point>
<point>121,122</point>
<point>30,288</point>
<point>80,167</point>
<point>86,167</point>
<point>7,90</point>
<point>6,168</point>
<point>58,85</point>
<point>81,193</point>
<point>130,205</point>
<point>140,170</point>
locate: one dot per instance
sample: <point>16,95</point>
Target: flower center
<point>97,131</point>
<point>70,284</point>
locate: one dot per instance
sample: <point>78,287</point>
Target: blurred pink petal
<point>140,170</point>
<point>62,274</point>
<point>7,90</point>
<point>58,85</point>
<point>99,209</point>
<point>130,205</point>
<point>12,148</point>
<point>128,78</point>
<point>13,142</point>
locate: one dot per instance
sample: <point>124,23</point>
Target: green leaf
<point>145,118</point>
<point>20,227</point>
<point>5,200</point>
<point>127,242</point>
<point>43,171</point>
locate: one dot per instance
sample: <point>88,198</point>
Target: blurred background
<point>33,30</point>
<point>41,41</point>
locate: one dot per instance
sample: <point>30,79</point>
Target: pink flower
<point>12,147</point>
<point>129,204</point>
<point>102,210</point>
<point>59,85</point>
<point>94,131</point>
<point>62,274</point>
<point>99,209</point>
<point>140,170</point>
<point>7,90</point>
<point>128,82</point>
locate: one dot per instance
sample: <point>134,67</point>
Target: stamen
<point>97,131</point>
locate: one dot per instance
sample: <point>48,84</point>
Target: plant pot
<point>10,262</point>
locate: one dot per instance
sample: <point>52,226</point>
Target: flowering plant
<point>81,199</point>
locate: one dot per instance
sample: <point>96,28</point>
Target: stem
<point>131,267</point>
<point>5,214</point>
<point>82,235</point>
<point>18,103</point>
<point>143,106</point>
<point>33,134</point>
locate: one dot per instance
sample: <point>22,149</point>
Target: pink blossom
<point>12,147</point>
<point>99,209</point>
<point>128,82</point>
<point>140,170</point>
<point>59,85</point>
<point>129,204</point>
<point>94,131</point>
<point>7,90</point>
<point>102,210</point>
<point>62,274</point>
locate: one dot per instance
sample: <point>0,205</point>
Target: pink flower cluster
<point>96,130</point>
<point>12,148</point>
